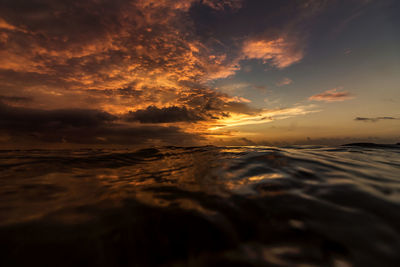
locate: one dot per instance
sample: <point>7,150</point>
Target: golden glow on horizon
<point>265,116</point>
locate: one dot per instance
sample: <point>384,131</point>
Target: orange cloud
<point>5,25</point>
<point>279,52</point>
<point>332,95</point>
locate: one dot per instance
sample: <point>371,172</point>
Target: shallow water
<point>201,206</point>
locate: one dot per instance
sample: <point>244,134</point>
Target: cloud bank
<point>82,126</point>
<point>376,119</point>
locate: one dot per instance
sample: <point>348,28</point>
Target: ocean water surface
<point>201,206</point>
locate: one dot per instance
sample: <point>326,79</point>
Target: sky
<point>199,72</point>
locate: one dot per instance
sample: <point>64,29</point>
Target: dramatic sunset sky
<point>188,72</point>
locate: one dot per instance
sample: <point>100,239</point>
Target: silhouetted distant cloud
<point>37,119</point>
<point>15,99</point>
<point>332,95</point>
<point>376,119</point>
<point>82,126</point>
<point>153,114</point>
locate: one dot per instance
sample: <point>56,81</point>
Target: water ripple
<point>244,206</point>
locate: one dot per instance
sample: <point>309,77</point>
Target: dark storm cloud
<point>153,114</point>
<point>16,118</point>
<point>377,119</point>
<point>81,126</point>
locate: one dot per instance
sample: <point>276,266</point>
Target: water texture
<point>201,206</point>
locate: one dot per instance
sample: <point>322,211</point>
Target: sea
<point>201,206</point>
